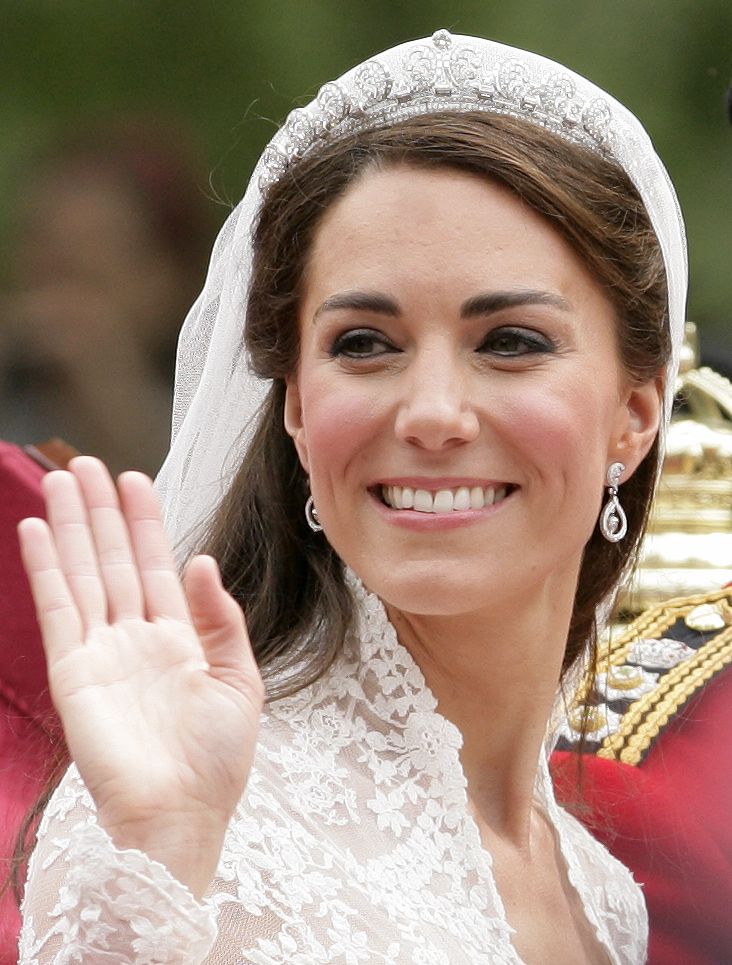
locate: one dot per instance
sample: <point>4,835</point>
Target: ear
<point>294,423</point>
<point>638,424</point>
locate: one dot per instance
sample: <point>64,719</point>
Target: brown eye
<point>512,342</point>
<point>362,343</point>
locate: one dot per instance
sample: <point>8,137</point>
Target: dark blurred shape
<point>112,241</point>
<point>54,454</point>
<point>729,103</point>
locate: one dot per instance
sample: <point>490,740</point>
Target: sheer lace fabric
<point>353,843</point>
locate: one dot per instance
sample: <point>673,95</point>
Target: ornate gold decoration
<point>639,686</point>
<point>651,712</point>
<point>624,678</point>
<point>644,718</point>
<point>688,548</point>
<point>591,719</point>
<point>655,622</point>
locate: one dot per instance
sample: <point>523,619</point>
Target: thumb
<point>218,619</point>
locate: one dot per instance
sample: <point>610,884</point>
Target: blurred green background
<point>230,69</point>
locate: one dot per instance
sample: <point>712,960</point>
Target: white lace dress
<point>352,844</point>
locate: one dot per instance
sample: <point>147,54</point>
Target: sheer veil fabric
<point>216,395</point>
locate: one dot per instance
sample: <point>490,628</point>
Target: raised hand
<point>155,681</point>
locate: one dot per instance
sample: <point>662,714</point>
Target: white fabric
<point>216,396</point>
<point>352,843</point>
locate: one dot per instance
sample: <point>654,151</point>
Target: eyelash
<point>530,341</point>
<point>346,343</point>
<point>525,342</point>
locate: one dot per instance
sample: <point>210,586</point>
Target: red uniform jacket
<point>668,814</point>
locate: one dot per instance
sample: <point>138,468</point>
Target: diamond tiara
<point>445,73</point>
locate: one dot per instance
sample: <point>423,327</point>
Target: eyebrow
<point>484,304</point>
<point>491,302</point>
<point>362,302</point>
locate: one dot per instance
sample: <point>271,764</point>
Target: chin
<point>421,591</point>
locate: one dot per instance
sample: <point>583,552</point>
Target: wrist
<point>188,845</point>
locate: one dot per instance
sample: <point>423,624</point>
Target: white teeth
<point>423,501</point>
<point>444,500</point>
<point>461,499</point>
<point>477,497</point>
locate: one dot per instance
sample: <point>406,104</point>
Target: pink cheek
<point>554,427</point>
<point>338,425</point>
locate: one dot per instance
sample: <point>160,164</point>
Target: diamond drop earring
<point>613,521</point>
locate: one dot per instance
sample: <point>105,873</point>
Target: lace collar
<point>376,698</point>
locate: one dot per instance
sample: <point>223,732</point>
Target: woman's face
<point>459,395</point>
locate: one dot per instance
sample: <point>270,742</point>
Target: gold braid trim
<point>647,716</point>
<point>651,625</point>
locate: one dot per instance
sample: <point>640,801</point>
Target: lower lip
<point>429,522</point>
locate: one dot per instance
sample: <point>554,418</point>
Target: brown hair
<point>288,580</point>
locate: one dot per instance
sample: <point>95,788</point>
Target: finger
<point>220,623</point>
<point>74,546</point>
<point>58,616</point>
<point>161,585</point>
<point>115,558</point>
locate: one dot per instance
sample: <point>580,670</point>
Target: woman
<point>459,297</point>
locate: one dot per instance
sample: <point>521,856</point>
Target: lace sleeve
<point>86,901</point>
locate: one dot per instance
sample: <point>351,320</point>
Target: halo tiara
<point>446,72</point>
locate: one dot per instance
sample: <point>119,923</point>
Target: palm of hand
<point>155,684</point>
<point>166,728</point>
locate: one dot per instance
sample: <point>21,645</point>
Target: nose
<point>437,410</point>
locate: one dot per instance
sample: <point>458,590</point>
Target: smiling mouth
<point>458,500</point>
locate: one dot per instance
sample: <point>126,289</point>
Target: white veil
<point>216,395</point>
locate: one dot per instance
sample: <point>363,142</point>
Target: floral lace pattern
<point>353,843</point>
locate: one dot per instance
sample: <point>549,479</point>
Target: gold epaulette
<point>647,672</point>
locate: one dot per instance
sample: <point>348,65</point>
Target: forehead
<point>440,230</point>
